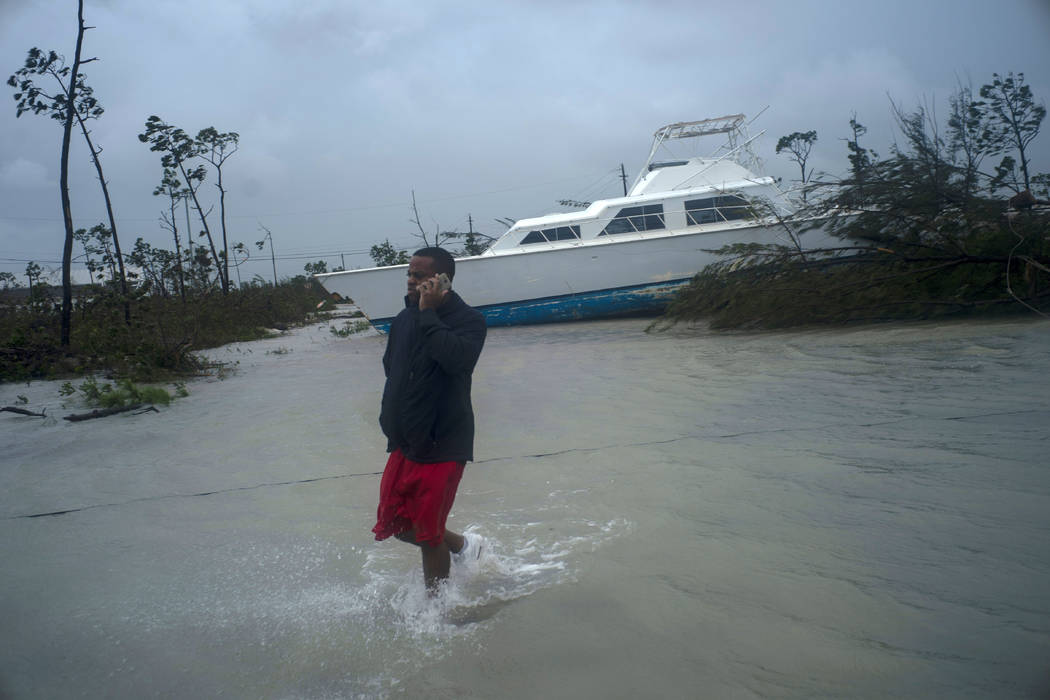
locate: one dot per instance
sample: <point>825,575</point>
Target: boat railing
<point>732,127</point>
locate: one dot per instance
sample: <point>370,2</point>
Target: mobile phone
<point>444,283</point>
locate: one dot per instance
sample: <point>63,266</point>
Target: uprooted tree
<point>924,231</point>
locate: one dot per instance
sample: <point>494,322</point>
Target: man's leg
<point>436,558</point>
<point>454,541</point>
<point>436,563</point>
<point>434,491</point>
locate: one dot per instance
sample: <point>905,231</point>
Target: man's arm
<point>386,353</point>
<point>455,349</point>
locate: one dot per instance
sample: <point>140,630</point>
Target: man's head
<point>425,263</point>
<point>443,260</point>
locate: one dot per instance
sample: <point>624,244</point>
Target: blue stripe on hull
<point>638,300</point>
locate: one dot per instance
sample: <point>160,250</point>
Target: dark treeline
<point>952,221</point>
<point>146,310</point>
<point>160,341</point>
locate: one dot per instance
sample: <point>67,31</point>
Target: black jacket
<point>429,358</point>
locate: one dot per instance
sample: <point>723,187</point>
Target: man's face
<point>419,269</point>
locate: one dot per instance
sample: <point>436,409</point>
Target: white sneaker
<point>471,550</point>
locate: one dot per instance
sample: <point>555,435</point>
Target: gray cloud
<point>487,109</point>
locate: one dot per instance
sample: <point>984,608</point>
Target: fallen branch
<point>103,412</point>
<point>21,411</point>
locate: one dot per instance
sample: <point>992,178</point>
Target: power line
<point>341,210</point>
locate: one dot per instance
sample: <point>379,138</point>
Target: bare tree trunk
<point>67,211</point>
<point>422,233</point>
<point>225,245</point>
<point>112,221</point>
<point>204,223</point>
<point>103,412</point>
<point>178,253</point>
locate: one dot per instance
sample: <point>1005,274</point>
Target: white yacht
<point>620,256</point>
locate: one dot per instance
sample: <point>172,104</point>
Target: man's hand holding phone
<point>432,291</point>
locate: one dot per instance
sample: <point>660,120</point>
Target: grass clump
<point>350,328</point>
<point>123,393</point>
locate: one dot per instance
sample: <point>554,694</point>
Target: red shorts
<point>418,496</point>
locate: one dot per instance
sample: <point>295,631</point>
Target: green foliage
<point>177,151</point>
<point>98,242</point>
<point>174,145</point>
<point>34,98</point>
<point>472,245</point>
<point>33,273</point>
<point>924,234</point>
<point>161,339</point>
<point>159,268</point>
<point>799,144</point>
<point>1014,119</point>
<point>970,138</point>
<point>1040,185</point>
<point>384,254</point>
<point>317,268</point>
<point>216,147</point>
<point>860,158</point>
<point>123,393</point>
<point>350,328</point>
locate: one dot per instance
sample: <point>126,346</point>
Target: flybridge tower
<point>733,126</point>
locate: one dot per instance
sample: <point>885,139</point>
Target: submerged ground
<point>839,513</point>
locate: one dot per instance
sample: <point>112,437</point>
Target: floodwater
<point>847,513</point>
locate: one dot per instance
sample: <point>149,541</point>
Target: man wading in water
<point>427,416</point>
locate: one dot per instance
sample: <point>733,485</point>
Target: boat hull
<point>590,280</point>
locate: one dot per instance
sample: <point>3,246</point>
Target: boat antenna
<point>752,120</point>
<point>623,176</point>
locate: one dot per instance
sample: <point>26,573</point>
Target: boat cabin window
<point>561,233</point>
<point>533,237</point>
<point>716,209</point>
<point>649,217</point>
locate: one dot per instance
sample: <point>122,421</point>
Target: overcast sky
<point>492,110</point>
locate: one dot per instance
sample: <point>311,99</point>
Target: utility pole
<point>273,258</point>
<point>623,176</point>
